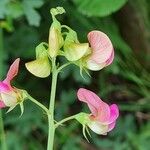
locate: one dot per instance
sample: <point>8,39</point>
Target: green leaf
<point>9,8</point>
<point>99,8</point>
<point>3,8</point>
<point>35,3</point>
<point>14,9</point>
<point>31,14</point>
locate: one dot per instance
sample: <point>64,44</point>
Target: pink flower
<point>102,52</point>
<point>103,117</point>
<point>9,95</point>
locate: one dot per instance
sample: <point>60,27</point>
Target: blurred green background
<point>25,23</point>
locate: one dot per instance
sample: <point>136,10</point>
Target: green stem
<point>2,133</point>
<point>51,120</point>
<point>63,66</point>
<point>1,52</point>
<point>51,132</point>
<point>39,104</point>
<point>65,26</point>
<point>64,120</point>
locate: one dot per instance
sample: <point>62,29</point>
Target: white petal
<point>98,128</point>
<point>9,98</point>
<point>94,66</point>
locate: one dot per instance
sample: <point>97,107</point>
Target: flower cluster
<point>94,55</point>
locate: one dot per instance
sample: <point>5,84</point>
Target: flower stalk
<point>51,124</point>
<point>2,133</point>
<point>38,104</point>
<point>65,120</point>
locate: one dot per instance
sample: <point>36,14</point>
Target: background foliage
<point>25,23</point>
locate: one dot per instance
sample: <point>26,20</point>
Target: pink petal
<point>92,100</point>
<point>13,71</point>
<point>101,46</point>
<point>114,113</point>
<point>98,108</point>
<point>111,126</point>
<point>2,105</point>
<point>104,113</point>
<point>110,60</point>
<point>4,87</point>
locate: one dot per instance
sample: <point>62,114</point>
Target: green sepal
<point>21,109</point>
<point>84,129</point>
<point>82,118</point>
<point>87,130</point>
<point>10,109</point>
<point>83,69</point>
<point>41,50</point>
<point>71,37</point>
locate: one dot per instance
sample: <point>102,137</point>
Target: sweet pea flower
<point>102,52</point>
<point>102,118</point>
<point>11,96</point>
